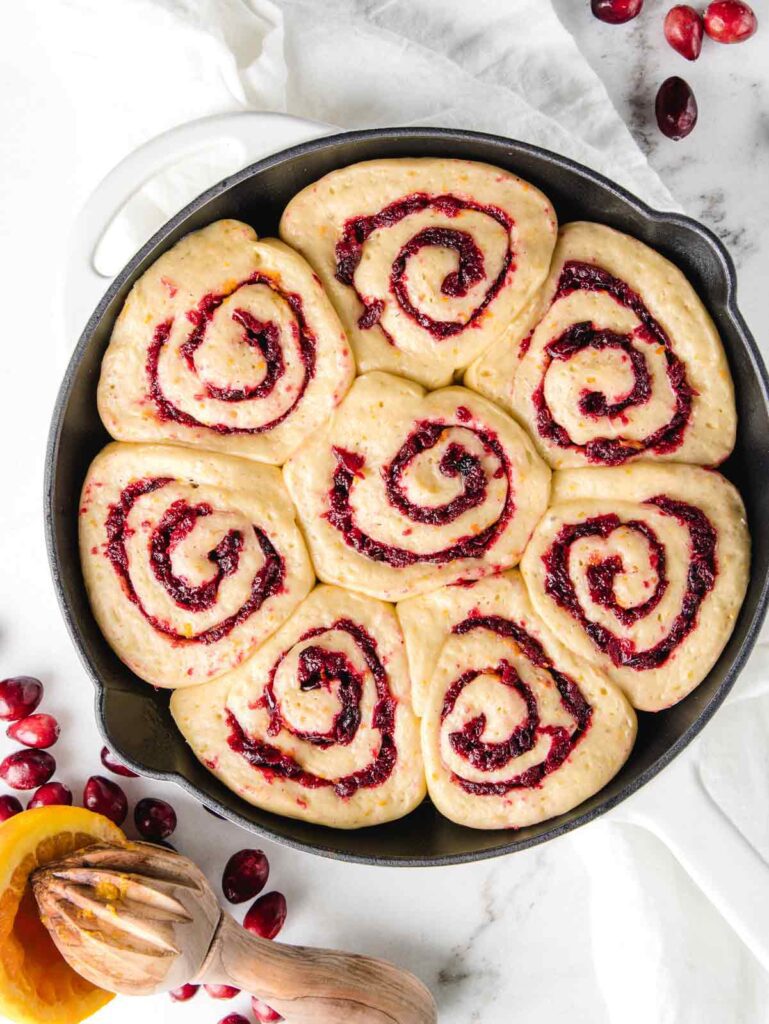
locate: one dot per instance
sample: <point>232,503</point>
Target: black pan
<point>135,719</point>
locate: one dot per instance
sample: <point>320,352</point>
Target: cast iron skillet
<point>135,719</point>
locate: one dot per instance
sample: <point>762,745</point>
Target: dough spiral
<point>317,725</point>
<point>615,360</point>
<point>190,559</point>
<point>426,260</point>
<point>404,490</point>
<point>226,342</point>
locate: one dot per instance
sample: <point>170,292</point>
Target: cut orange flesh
<point>36,984</point>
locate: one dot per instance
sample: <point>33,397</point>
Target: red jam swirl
<point>578,276</point>
<point>470,270</point>
<point>700,580</point>
<point>261,335</point>
<point>321,667</point>
<point>487,757</point>
<point>178,522</point>
<point>456,463</point>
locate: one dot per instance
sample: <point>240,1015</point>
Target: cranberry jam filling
<point>264,336</point>
<point>577,276</point>
<point>456,462</point>
<point>470,263</point>
<point>178,522</point>
<point>486,757</point>
<point>320,667</point>
<point>699,582</point>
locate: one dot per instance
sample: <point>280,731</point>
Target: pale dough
<point>226,342</point>
<point>515,729</point>
<point>640,374</point>
<point>191,559</point>
<point>403,491</point>
<point>443,254</point>
<point>341,632</point>
<point>683,543</point>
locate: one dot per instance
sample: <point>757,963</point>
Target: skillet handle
<point>677,809</point>
<point>245,136</point>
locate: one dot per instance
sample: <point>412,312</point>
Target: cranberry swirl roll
<point>515,728</point>
<point>404,490</point>
<point>190,559</point>
<point>317,725</point>
<point>426,260</point>
<point>226,342</point>
<point>642,570</point>
<point>615,360</point>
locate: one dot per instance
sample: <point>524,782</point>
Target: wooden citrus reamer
<point>139,919</point>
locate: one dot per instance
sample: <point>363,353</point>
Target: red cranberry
<point>19,696</point>
<point>35,731</point>
<point>182,994</point>
<point>109,762</point>
<point>9,806</point>
<point>221,991</point>
<point>234,1018</point>
<point>105,797</point>
<point>676,108</point>
<point>245,875</point>
<point>263,1013</point>
<point>267,915</point>
<point>27,769</point>
<point>616,12</point>
<point>51,793</point>
<point>683,30</point>
<point>730,21</point>
<point>155,819</point>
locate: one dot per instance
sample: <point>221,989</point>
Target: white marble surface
<point>720,173</point>
<point>517,939</point>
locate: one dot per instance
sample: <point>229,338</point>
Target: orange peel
<point>37,986</point>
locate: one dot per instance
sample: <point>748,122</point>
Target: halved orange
<point>36,984</point>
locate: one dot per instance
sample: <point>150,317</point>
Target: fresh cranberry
<point>683,30</point>
<point>182,994</point>
<point>105,797</point>
<point>9,806</point>
<point>27,769</point>
<point>676,108</point>
<point>109,762</point>
<point>51,793</point>
<point>616,12</point>
<point>730,21</point>
<point>19,696</point>
<point>245,875</point>
<point>221,991</point>
<point>263,1013</point>
<point>267,915</point>
<point>155,819</point>
<point>234,1018</point>
<point>35,731</point>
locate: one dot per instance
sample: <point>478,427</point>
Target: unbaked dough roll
<point>426,260</point>
<point>428,619</point>
<point>515,729</point>
<point>616,359</point>
<point>190,559</point>
<point>317,725</point>
<point>403,491</point>
<point>642,569</point>
<point>226,342</point>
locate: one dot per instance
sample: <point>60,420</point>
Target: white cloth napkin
<point>131,69</point>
